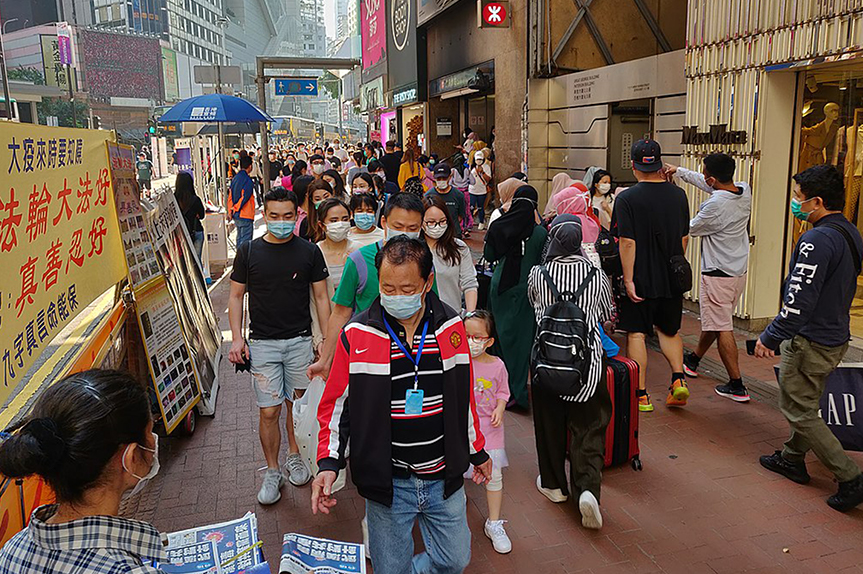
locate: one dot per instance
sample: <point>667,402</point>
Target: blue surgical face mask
<point>364,221</point>
<point>402,306</point>
<point>281,229</point>
<point>393,233</point>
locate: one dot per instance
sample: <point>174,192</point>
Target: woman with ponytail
<point>90,438</point>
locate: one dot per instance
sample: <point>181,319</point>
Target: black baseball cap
<point>647,156</point>
<point>442,170</point>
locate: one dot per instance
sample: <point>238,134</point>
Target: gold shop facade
<point>779,85</point>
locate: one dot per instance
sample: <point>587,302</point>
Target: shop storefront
<point>591,118</point>
<point>477,79</point>
<point>406,72</point>
<point>778,111</point>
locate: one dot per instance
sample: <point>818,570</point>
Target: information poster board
<point>186,285</point>
<point>60,241</point>
<point>170,364</point>
<point>173,374</point>
<point>140,258</point>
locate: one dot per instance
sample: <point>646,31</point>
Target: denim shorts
<point>279,368</point>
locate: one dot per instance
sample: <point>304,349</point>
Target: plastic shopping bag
<point>306,428</point>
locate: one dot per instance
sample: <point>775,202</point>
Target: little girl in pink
<point>491,391</point>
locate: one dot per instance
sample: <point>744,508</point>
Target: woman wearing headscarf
<point>559,182</point>
<point>505,191</point>
<point>585,416</point>
<point>573,201</point>
<point>515,243</point>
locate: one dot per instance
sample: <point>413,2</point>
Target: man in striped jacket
<point>400,392</point>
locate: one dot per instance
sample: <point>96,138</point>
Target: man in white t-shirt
<point>478,190</point>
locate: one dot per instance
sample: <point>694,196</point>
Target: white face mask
<point>338,231</point>
<point>476,348</point>
<point>604,188</point>
<point>435,231</point>
<point>154,466</point>
<point>318,168</point>
<point>441,184</point>
<point>382,175</point>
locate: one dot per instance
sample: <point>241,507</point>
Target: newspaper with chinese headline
<point>302,554</point>
<point>234,540</point>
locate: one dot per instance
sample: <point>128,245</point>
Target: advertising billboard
<point>373,28</point>
<point>121,65</point>
<point>169,73</point>
<point>402,52</point>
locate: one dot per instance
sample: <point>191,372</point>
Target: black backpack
<point>560,357</point>
<point>609,253</point>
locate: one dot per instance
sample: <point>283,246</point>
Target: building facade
<point>786,81</point>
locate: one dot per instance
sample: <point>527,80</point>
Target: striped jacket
<point>356,405</point>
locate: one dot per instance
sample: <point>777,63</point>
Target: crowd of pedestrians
<point>367,243</point>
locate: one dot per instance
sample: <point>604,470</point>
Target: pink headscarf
<point>573,201</point>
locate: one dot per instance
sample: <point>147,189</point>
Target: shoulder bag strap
<point>585,283</point>
<point>851,245</point>
<point>554,292</point>
<point>244,324</point>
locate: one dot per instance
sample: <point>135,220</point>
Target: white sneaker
<point>495,532</point>
<point>273,481</point>
<point>589,507</point>
<point>365,525</point>
<point>298,474</point>
<point>553,494</point>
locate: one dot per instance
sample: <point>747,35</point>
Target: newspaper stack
<point>302,554</point>
<point>226,548</point>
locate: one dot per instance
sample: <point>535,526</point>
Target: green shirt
<point>352,291</point>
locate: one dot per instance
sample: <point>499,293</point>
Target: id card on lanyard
<point>413,397</point>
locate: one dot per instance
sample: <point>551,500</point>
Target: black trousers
<point>578,429</point>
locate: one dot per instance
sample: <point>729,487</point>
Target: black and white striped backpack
<point>560,357</point>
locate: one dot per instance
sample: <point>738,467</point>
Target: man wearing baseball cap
<point>651,218</point>
<point>453,198</point>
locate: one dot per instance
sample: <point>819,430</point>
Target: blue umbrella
<point>215,108</point>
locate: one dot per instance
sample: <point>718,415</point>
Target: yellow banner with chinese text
<point>60,243</point>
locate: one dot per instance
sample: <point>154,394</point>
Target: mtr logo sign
<point>492,14</point>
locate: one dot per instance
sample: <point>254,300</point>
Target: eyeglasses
<point>433,224</point>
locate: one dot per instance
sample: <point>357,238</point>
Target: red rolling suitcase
<point>621,437</point>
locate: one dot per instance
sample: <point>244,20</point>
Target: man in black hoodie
<point>813,330</point>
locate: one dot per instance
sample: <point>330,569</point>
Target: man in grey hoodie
<point>722,222</point>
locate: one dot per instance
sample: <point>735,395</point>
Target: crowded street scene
<point>431,287</point>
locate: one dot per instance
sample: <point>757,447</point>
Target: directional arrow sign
<point>297,87</point>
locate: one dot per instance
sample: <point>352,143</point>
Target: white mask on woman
<point>435,231</point>
<point>154,466</point>
<point>337,231</point>
<point>603,188</point>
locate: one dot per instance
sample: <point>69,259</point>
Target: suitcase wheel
<point>636,464</point>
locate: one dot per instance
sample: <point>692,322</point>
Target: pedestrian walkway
<point>702,504</point>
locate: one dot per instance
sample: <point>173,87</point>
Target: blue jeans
<point>443,524</point>
<point>477,202</point>
<point>198,244</point>
<point>245,228</point>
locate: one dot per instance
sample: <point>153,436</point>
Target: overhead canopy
<point>215,108</point>
<point>230,128</point>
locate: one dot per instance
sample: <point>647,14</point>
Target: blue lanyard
<point>407,354</point>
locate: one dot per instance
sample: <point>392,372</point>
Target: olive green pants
<point>803,371</point>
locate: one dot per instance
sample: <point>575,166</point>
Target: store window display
<point>831,132</point>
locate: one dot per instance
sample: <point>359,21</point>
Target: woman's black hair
<point>312,217</point>
<point>74,429</point>
<point>359,200</point>
<point>298,168</point>
<point>380,186</point>
<point>446,247</point>
<point>184,190</point>
<point>286,170</point>
<point>597,176</point>
<point>339,189</point>
<point>366,177</point>
<point>301,187</point>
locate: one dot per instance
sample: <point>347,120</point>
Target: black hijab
<point>564,237</point>
<point>507,234</point>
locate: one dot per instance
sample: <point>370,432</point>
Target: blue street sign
<point>297,87</point>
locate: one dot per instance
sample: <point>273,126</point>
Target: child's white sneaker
<point>589,507</point>
<point>495,532</point>
<point>553,494</point>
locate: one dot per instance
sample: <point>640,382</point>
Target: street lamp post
<point>222,23</point>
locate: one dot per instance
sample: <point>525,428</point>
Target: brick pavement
<point>702,504</point>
